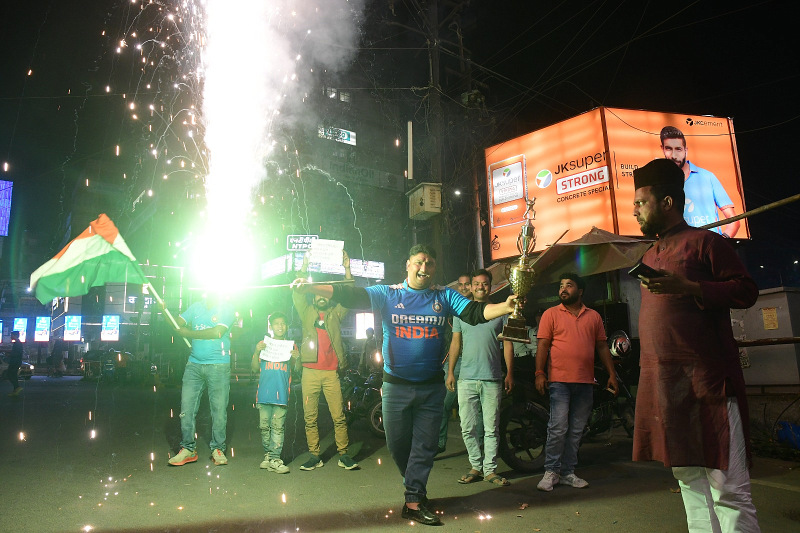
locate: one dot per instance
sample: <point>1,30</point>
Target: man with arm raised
<point>414,315</point>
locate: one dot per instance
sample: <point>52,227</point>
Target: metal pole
<point>755,211</point>
<point>280,285</point>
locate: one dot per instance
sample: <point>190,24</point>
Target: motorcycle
<point>362,399</point>
<point>523,422</point>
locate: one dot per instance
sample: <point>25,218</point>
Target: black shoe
<point>422,515</point>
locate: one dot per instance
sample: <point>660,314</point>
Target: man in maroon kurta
<point>691,409</point>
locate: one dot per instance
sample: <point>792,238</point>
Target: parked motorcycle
<point>361,396</point>
<point>523,422</point>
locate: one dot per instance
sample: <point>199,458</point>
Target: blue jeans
<point>570,408</point>
<point>449,401</point>
<point>411,418</point>
<point>479,410</point>
<point>196,378</point>
<point>271,421</point>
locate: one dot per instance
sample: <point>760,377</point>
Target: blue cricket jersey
<point>414,323</point>
<point>209,351</point>
<point>704,196</point>
<point>274,382</point>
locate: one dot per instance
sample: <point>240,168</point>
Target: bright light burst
<point>245,57</point>
<point>221,86</point>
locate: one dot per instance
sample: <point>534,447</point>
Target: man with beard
<point>691,408</point>
<point>480,385</point>
<point>569,335</point>
<point>322,355</point>
<point>704,193</point>
<point>414,315</point>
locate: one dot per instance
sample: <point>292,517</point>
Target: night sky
<point>538,63</point>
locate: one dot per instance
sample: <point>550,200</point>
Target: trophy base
<point>515,331</point>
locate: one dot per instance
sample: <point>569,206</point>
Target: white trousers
<point>719,501</point>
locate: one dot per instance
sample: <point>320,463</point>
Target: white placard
<point>327,252</point>
<point>277,351</point>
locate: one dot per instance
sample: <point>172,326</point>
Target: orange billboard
<point>580,172</point>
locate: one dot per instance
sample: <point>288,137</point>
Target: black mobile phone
<point>644,271</point>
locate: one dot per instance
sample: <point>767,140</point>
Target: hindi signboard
<point>296,243</point>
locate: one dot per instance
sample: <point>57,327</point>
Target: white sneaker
<point>573,481</point>
<point>274,465</point>
<point>549,480</point>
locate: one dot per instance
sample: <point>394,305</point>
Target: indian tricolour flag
<point>97,256</point>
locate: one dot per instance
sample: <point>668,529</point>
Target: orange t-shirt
<point>573,340</point>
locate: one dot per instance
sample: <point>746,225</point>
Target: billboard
<point>580,172</point>
<point>21,325</point>
<point>110,329</point>
<point>42,331</point>
<point>72,328</point>
<point>706,146</point>
<point>6,188</point>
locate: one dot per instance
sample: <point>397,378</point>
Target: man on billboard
<point>704,192</point>
<point>691,407</point>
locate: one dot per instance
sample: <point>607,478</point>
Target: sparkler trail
<point>218,87</point>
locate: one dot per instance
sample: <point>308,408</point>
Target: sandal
<point>470,477</point>
<point>498,480</point>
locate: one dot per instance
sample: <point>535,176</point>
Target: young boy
<point>272,396</point>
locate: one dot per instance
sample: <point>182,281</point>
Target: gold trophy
<point>521,276</point>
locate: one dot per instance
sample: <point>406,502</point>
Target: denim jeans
<point>570,408</point>
<point>449,402</point>
<point>479,409</point>
<point>196,378</point>
<point>271,421</point>
<point>411,418</point>
<point>719,500</point>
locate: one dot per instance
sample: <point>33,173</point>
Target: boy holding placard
<point>273,358</point>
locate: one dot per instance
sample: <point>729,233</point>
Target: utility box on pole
<point>424,201</point>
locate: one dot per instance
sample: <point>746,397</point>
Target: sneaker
<point>549,480</point>
<point>182,457</point>
<point>312,463</point>
<point>15,392</point>
<point>573,481</point>
<point>274,465</point>
<point>346,462</point>
<point>218,457</point>
<point>423,515</point>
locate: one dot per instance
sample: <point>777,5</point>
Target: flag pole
<point>280,285</point>
<point>171,318</point>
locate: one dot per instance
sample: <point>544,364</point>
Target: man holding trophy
<point>414,315</point>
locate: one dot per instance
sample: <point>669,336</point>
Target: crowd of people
<point>440,346</point>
